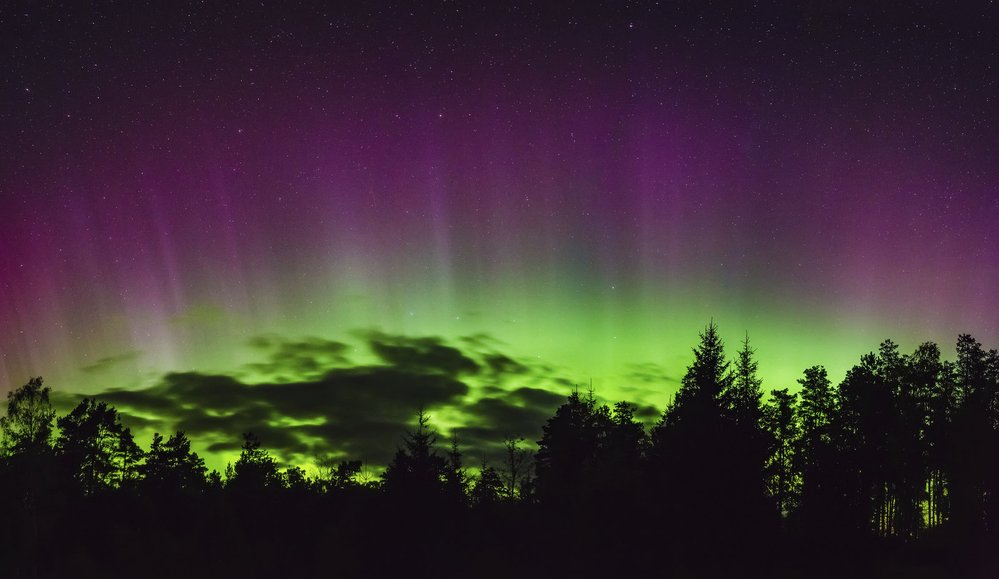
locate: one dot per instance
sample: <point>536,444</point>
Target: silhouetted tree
<point>780,421</point>
<point>696,414</point>
<point>942,406</point>
<point>487,488</point>
<point>746,450</point>
<point>255,470</point>
<point>172,467</point>
<point>570,445</point>
<point>337,474</point>
<point>27,426</point>
<point>868,428</point>
<point>27,471</point>
<point>703,459</point>
<point>903,448</point>
<point>515,470</point>
<point>887,426</point>
<point>215,483</point>
<point>699,399</point>
<point>972,479</point>
<point>95,449</point>
<point>815,453</point>
<point>295,480</point>
<point>417,470</point>
<point>918,374</point>
<point>743,396</point>
<point>455,477</point>
<point>625,448</point>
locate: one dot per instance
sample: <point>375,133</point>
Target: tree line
<point>896,464</point>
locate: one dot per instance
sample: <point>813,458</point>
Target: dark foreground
<point>892,473</point>
<point>363,533</point>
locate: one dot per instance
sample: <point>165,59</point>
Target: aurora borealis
<point>249,216</point>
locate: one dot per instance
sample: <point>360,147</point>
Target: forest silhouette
<point>891,473</point>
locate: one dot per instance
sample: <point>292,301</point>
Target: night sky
<point>308,222</point>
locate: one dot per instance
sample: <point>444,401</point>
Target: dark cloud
<point>287,443</point>
<point>492,420</point>
<point>349,403</point>
<point>648,415</point>
<point>500,365</point>
<point>421,354</point>
<point>107,363</point>
<point>486,445</point>
<point>64,401</point>
<point>538,397</point>
<point>480,342</point>
<point>313,401</point>
<point>304,358</point>
<point>507,419</point>
<point>139,400</point>
<point>650,373</point>
<point>369,439</point>
<point>199,421</point>
<point>504,369</point>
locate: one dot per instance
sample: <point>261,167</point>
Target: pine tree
<point>696,415</point>
<point>487,489</point>
<point>417,470</point>
<point>746,451</point>
<point>255,470</point>
<point>815,454</point>
<point>571,442</point>
<point>692,447</point>
<point>780,422</point>
<point>707,378</point>
<point>172,467</point>
<point>816,411</point>
<point>455,476</point>
<point>942,407</point>
<point>626,443</point>
<point>743,398</point>
<point>920,372</point>
<point>972,480</point>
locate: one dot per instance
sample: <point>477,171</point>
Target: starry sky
<point>310,220</point>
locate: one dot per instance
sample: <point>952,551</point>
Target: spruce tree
<point>417,470</point>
